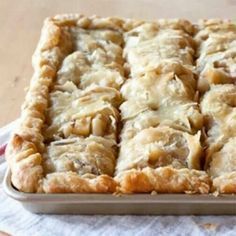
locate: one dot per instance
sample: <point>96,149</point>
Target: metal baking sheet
<point>140,204</point>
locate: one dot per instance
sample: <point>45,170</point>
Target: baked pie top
<point>216,53</point>
<point>129,106</point>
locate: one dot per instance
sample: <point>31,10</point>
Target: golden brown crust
<point>163,180</point>
<point>23,151</point>
<point>26,150</point>
<point>25,163</point>
<point>225,183</point>
<point>70,182</point>
<point>221,166</point>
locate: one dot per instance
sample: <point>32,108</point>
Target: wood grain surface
<point>21,22</point>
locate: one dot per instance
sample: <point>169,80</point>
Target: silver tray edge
<point>165,204</point>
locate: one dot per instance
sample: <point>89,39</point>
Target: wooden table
<point>21,21</point>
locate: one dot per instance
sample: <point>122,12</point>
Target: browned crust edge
<point>163,180</point>
<point>23,151</point>
<point>225,183</point>
<point>70,182</point>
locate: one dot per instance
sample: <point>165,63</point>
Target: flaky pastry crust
<point>163,180</point>
<point>84,61</point>
<point>70,182</point>
<point>24,151</point>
